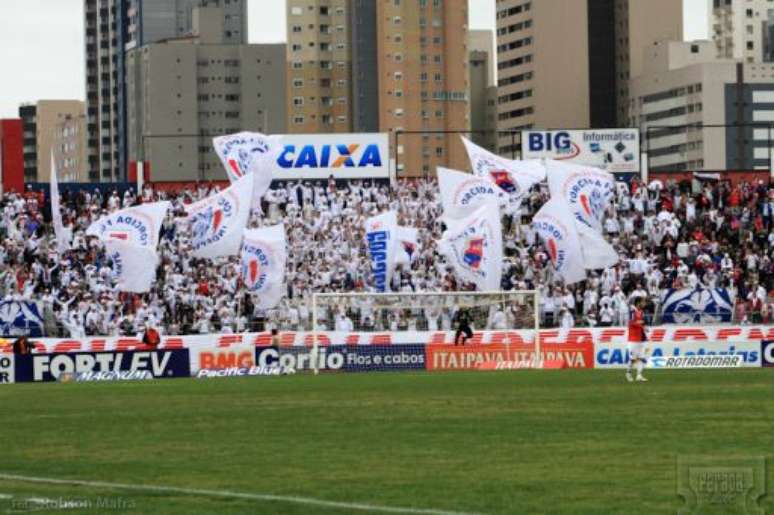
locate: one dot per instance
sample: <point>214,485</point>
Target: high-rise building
<point>596,46</point>
<point>184,91</point>
<point>113,27</point>
<point>40,122</point>
<point>319,66</point>
<point>483,89</point>
<point>382,66</point>
<point>739,28</point>
<point>69,146</point>
<point>697,112</point>
<point>423,81</point>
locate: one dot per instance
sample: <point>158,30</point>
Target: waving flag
<point>218,221</point>
<point>555,226</point>
<point>462,193</point>
<point>698,306</point>
<point>264,255</point>
<point>514,178</point>
<point>19,318</point>
<point>138,225</point>
<point>134,266</point>
<point>474,247</point>
<point>62,236</point>
<point>408,245</point>
<point>381,237</point>
<point>586,191</point>
<point>597,252</point>
<point>246,153</point>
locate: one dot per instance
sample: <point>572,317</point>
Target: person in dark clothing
<point>22,346</point>
<point>464,332</point>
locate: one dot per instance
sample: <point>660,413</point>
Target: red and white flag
<point>246,153</point>
<point>137,225</point>
<point>407,246</point>
<point>586,191</point>
<point>474,247</point>
<point>218,222</point>
<point>462,193</point>
<point>554,224</point>
<point>264,256</point>
<point>514,178</point>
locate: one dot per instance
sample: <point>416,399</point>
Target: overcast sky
<point>42,43</point>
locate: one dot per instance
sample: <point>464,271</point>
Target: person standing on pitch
<point>637,339</point>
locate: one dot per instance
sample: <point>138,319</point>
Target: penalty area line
<point>309,501</point>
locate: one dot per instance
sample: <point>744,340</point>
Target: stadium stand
<point>668,237</point>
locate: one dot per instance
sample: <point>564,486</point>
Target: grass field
<point>574,442</point>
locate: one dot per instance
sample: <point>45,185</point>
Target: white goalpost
<point>366,317</point>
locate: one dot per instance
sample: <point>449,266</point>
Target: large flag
<point>555,226</point>
<point>408,245</point>
<point>218,221</point>
<point>586,191</point>
<point>137,225</point>
<point>462,193</point>
<point>597,252</point>
<point>381,237</point>
<point>134,266</point>
<point>264,255</point>
<point>697,306</point>
<point>246,153</point>
<point>474,247</point>
<point>515,178</point>
<point>19,318</point>
<point>62,236</point>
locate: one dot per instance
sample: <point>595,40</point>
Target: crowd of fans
<point>667,236</point>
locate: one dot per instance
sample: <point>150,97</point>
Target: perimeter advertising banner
<point>616,355</point>
<point>344,156</point>
<point>767,354</point>
<point>614,150</point>
<point>469,357</point>
<point>714,336</point>
<point>7,368</point>
<point>52,367</point>
<point>344,358</point>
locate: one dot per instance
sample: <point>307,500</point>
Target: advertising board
<point>614,150</point>
<point>616,355</point>
<point>344,156</point>
<point>52,367</point>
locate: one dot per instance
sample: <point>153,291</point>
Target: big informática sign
<point>614,150</point>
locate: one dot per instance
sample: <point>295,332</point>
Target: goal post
<point>413,313</point>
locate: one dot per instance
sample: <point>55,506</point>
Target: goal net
<point>392,331</point>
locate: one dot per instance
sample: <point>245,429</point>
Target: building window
<point>298,101</point>
<point>439,151</point>
<point>298,119</point>
<point>298,83</point>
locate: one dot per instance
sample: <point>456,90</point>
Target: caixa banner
<point>54,367</point>
<point>344,156</point>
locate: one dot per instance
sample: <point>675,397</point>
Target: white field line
<point>309,501</point>
<point>6,496</point>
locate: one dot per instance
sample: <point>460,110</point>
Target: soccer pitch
<point>568,441</point>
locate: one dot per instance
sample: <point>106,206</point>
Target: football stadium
<point>362,271</point>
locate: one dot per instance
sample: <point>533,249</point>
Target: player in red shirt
<point>637,339</point>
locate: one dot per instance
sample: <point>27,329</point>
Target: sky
<point>42,43</point>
